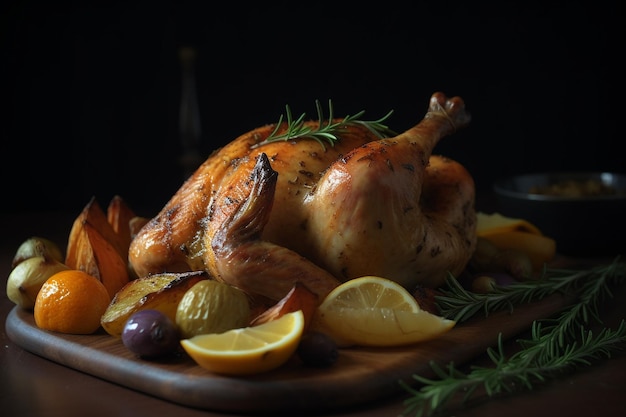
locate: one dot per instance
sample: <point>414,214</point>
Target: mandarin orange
<point>71,301</point>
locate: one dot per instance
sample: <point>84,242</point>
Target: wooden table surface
<point>34,386</point>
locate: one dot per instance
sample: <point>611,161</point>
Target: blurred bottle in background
<point>190,129</point>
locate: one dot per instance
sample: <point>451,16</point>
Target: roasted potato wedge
<point>136,223</point>
<point>93,215</point>
<point>119,215</point>
<point>89,251</point>
<point>160,292</point>
<point>298,298</point>
<point>125,224</point>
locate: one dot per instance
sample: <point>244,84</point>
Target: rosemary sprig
<point>458,304</point>
<point>536,364</point>
<point>555,346</point>
<point>326,130</point>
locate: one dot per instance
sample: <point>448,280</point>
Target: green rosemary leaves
<point>326,130</point>
<point>555,345</point>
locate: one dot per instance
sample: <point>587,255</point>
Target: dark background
<point>91,91</point>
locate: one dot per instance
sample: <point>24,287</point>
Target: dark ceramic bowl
<point>585,212</point>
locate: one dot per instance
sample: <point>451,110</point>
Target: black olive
<point>317,350</point>
<point>150,334</point>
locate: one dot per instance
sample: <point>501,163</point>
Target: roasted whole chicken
<point>262,215</point>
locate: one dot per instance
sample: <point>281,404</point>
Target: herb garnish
<point>555,345</point>
<point>326,130</point>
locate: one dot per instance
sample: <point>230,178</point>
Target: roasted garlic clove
<point>37,246</point>
<point>28,276</point>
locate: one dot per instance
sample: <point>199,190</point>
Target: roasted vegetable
<point>28,276</point>
<point>37,246</point>
<point>488,257</point>
<point>298,298</point>
<point>95,248</point>
<point>212,307</point>
<point>119,216</point>
<point>160,292</point>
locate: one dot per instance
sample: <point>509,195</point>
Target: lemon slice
<point>375,311</point>
<point>496,223</point>
<point>371,292</point>
<point>248,350</point>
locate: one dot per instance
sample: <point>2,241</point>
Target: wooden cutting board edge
<point>360,375</point>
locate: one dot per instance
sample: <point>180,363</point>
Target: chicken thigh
<point>263,216</point>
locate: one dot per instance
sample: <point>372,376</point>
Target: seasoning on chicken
<point>262,215</point>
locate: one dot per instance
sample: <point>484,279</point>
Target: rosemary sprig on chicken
<point>327,128</point>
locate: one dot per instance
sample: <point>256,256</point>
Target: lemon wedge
<point>539,248</point>
<point>495,223</point>
<point>248,350</point>
<point>519,234</point>
<point>375,311</point>
<point>371,292</point>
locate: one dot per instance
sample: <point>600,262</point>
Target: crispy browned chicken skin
<point>263,217</point>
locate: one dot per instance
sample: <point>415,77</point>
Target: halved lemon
<point>375,311</point>
<point>248,350</point>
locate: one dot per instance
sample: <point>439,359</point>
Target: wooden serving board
<point>359,376</point>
